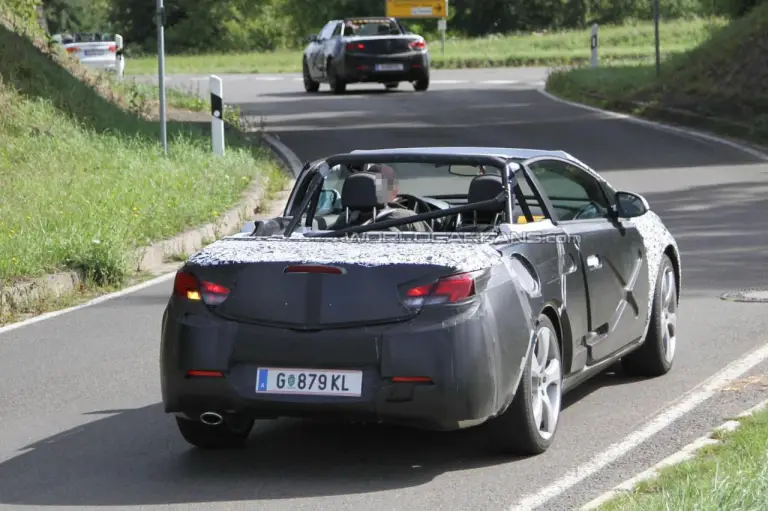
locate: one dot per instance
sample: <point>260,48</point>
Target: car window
<point>337,30</point>
<point>574,193</point>
<point>372,27</point>
<point>327,30</point>
<point>536,209</point>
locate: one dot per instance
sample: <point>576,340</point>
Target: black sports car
<point>372,50</point>
<point>439,288</point>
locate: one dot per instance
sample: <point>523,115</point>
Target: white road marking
<point>501,82</point>
<point>664,127</point>
<point>448,81</point>
<point>620,449</point>
<point>100,299</point>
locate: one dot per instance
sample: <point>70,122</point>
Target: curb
<point>153,258</point>
<point>686,453</point>
<point>678,130</point>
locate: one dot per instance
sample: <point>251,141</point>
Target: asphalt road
<point>80,419</point>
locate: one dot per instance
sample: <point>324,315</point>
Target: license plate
<point>389,67</point>
<point>318,382</point>
<point>93,53</point>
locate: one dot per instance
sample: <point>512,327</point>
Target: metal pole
<point>442,24</point>
<point>161,71</point>
<point>656,30</point>
<point>119,62</point>
<point>593,41</point>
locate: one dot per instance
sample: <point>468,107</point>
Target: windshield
<point>371,27</point>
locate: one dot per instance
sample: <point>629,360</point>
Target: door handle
<point>593,262</point>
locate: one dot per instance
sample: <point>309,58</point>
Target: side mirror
<point>631,205</point>
<point>312,38</point>
<point>327,202</point>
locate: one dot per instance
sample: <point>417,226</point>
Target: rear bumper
<point>105,64</point>
<point>364,68</point>
<point>455,354</point>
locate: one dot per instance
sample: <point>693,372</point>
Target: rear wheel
<point>657,353</point>
<point>230,434</point>
<point>422,83</point>
<point>309,84</point>
<point>338,86</point>
<point>529,425</point>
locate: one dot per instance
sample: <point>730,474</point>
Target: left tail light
<point>113,48</point>
<point>73,49</point>
<point>188,287</point>
<point>447,290</point>
<point>355,46</point>
<point>418,45</point>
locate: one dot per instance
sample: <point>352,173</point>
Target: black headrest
<point>364,191</point>
<point>483,188</point>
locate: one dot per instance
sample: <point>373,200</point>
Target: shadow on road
<point>721,231</point>
<point>316,125</point>
<point>137,457</point>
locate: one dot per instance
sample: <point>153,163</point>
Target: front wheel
<point>230,434</point>
<point>529,424</point>
<point>309,84</point>
<point>657,353</point>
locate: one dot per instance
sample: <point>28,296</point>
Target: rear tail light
<point>355,46</point>
<point>188,287</point>
<point>418,45</point>
<point>453,289</point>
<point>73,49</point>
<point>113,48</point>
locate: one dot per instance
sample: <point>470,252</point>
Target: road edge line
<point>677,130</point>
<point>633,439</point>
<point>283,153</point>
<point>685,454</point>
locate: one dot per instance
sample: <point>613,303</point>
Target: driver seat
<point>363,199</point>
<point>483,188</point>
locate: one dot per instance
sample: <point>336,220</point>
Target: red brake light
<point>187,286</point>
<point>355,46</point>
<point>314,268</point>
<point>213,294</point>
<point>113,48</point>
<point>451,289</point>
<point>73,49</point>
<point>418,45</point>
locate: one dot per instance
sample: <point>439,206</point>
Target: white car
<point>97,51</point>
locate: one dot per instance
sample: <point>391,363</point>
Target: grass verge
<point>83,180</point>
<point>718,86</point>
<point>732,475</point>
<point>626,42</point>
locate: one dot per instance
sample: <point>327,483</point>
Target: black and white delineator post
<point>593,44</point>
<point>217,115</point>
<point>119,60</point>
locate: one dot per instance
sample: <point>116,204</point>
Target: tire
<point>224,436</point>
<point>309,84</point>
<point>421,84</point>
<point>338,86</point>
<point>392,85</point>
<point>656,355</point>
<point>517,431</point>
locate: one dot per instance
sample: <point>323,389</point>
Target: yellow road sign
<point>417,8</point>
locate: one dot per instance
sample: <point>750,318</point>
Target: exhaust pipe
<point>211,418</point>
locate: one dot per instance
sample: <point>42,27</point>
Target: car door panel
<point>609,252</point>
<point>616,275</point>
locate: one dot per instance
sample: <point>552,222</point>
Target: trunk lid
<point>382,45</point>
<point>90,50</point>
<point>312,284</point>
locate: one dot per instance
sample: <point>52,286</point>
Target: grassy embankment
<point>732,476</point>
<point>617,43</point>
<point>83,181</point>
<point>719,86</point>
